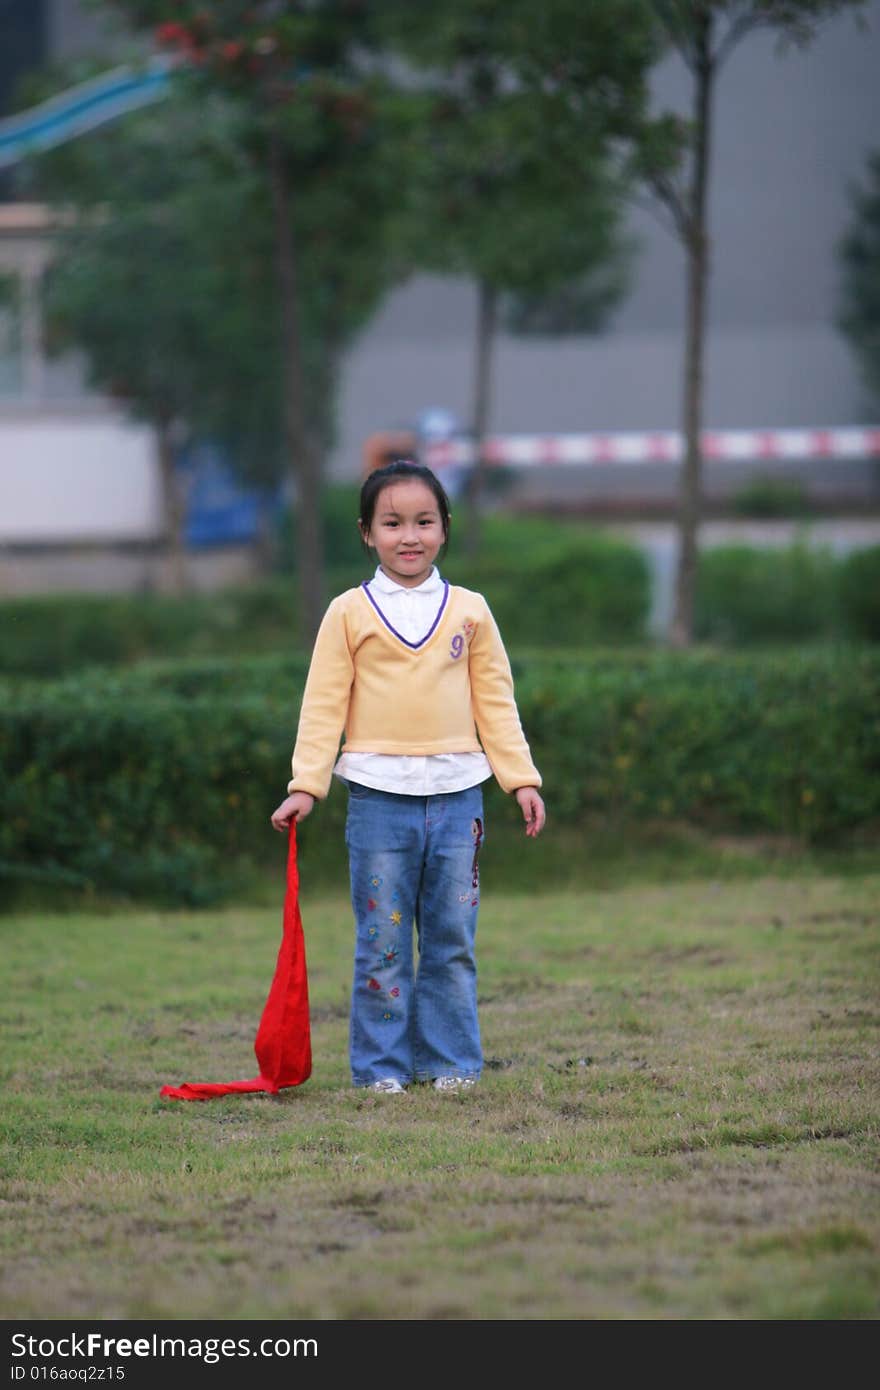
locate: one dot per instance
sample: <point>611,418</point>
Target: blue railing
<point>83,108</point>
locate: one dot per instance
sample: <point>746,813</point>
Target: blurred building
<point>78,481</point>
<point>792,134</point>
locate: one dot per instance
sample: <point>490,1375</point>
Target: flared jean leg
<point>414,861</point>
<point>447,1029</point>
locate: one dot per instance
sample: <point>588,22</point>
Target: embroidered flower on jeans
<point>477,832</point>
<point>395,918</point>
<point>394,992</point>
<point>389,1017</point>
<point>376,881</point>
<point>371,904</point>
<point>373,983</point>
<point>389,956</point>
<point>372,932</point>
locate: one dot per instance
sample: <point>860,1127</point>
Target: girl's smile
<point>407,531</point>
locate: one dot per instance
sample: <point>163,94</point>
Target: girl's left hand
<point>532,808</point>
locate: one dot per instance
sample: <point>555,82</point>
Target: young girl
<point>406,665</point>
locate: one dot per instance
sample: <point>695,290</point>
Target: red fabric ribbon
<point>283,1042</point>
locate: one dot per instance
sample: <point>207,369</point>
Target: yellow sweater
<point>392,696</point>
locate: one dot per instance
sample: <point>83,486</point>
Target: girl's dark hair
<point>395,471</point>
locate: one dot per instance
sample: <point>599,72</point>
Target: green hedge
<point>747,594</point>
<point>858,593</point>
<point>595,589</point>
<point>547,584</point>
<point>783,743</point>
<point>563,588</point>
<point>54,635</point>
<point>754,594</point>
<point>159,785</point>
<point>765,496</point>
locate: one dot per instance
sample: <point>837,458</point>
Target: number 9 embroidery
<point>457,646</point>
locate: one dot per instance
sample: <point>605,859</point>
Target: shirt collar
<point>389,586</point>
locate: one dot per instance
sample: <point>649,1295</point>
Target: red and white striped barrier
<point>524,450</point>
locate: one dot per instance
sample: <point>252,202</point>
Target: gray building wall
<point>73,28</point>
<point>792,133</point>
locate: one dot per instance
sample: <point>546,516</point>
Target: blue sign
<point>219,509</point>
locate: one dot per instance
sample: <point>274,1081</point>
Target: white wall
<point>69,478</point>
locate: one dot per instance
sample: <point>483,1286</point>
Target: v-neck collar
<point>413,646</point>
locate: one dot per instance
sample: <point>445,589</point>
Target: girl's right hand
<point>294,807</point>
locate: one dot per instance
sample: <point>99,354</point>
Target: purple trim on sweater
<point>422,640</point>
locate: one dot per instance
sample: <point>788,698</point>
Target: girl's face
<point>406,531</point>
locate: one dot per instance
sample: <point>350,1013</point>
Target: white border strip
<point>527,450</point>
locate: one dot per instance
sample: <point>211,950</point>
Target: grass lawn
<point>678,1117</point>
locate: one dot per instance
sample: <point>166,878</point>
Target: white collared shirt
<point>412,613</point>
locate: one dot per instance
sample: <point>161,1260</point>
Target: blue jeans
<point>413,861</point>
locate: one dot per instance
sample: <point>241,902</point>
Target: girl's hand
<point>294,807</point>
<point>532,808</point>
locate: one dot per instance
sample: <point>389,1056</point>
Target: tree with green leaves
<point>517,180</point>
<point>318,125</point>
<point>705,33</point>
<point>859,251</point>
<point>580,306</point>
<point>171,321</point>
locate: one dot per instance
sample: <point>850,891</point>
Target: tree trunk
<point>303,458</point>
<point>487,315</point>
<point>697,251</point>
<point>174,578</point>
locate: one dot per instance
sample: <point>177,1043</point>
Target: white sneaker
<point>389,1084</point>
<point>453,1083</point>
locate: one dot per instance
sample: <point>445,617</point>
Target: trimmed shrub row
<point>160,787</point>
<point>553,586</point>
<point>53,635</point>
<point>750,594</point>
<point>592,589</point>
<point>562,589</point>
